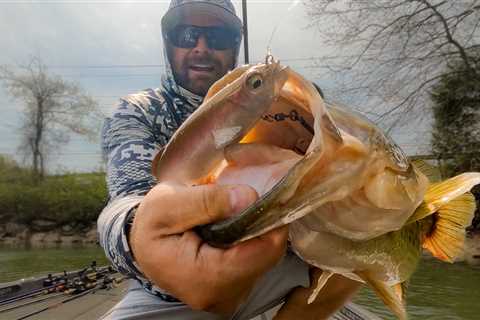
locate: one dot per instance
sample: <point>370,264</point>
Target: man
<point>146,229</point>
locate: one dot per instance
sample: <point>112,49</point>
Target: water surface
<point>437,290</point>
<point>17,263</point>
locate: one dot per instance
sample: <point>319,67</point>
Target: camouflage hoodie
<point>132,135</point>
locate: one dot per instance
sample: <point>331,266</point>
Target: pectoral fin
<point>321,282</point>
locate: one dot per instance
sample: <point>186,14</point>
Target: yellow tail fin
<point>447,238</point>
<point>390,295</point>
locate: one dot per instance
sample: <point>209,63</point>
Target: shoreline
<point>19,235</point>
<point>14,234</point>
<point>472,249</point>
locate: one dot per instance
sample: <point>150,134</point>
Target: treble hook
<point>269,58</point>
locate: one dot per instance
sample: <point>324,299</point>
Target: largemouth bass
<point>356,205</point>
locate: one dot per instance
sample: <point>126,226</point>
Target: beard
<point>198,72</point>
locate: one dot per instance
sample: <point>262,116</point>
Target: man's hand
<point>177,260</point>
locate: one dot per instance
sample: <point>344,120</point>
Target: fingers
<point>262,252</point>
<point>227,275</point>
<point>174,209</point>
<point>169,253</point>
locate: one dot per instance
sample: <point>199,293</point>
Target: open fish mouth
<point>338,161</point>
<point>336,168</point>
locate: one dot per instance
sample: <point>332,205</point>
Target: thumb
<point>188,207</point>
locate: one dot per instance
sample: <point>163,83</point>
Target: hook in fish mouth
<point>269,59</point>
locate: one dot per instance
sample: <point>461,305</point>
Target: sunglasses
<point>218,38</point>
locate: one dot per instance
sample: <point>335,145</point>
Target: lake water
<point>18,263</point>
<point>436,291</point>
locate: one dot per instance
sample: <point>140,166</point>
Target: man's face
<point>196,69</point>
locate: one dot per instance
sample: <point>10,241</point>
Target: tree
<point>397,49</point>
<point>53,109</point>
<point>456,129</point>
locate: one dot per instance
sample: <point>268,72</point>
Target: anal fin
<point>390,295</point>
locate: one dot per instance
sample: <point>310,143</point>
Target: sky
<point>114,48</point>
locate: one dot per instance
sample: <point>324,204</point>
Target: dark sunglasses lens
<point>221,38</point>
<point>217,38</point>
<point>184,36</point>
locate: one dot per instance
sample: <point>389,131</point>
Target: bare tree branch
<point>53,108</point>
<point>395,49</point>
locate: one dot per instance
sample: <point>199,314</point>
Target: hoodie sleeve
<point>129,145</point>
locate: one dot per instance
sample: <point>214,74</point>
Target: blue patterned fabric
<point>132,135</point>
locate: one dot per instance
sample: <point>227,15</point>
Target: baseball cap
<point>221,9</point>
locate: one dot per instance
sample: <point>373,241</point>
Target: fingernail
<point>241,197</point>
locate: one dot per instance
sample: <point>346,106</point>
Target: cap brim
<point>174,16</point>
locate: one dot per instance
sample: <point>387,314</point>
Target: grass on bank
<point>74,199</point>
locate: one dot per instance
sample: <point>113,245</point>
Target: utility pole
<point>245,31</point>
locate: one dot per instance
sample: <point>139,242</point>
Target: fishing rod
<point>32,302</point>
<point>245,31</point>
<point>31,314</point>
<point>77,285</point>
<point>32,293</point>
<point>107,283</point>
<point>61,283</point>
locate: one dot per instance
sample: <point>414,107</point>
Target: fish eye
<point>255,81</point>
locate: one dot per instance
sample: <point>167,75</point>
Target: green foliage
<point>74,199</point>
<point>456,129</point>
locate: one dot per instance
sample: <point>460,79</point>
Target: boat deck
<point>93,303</point>
<point>90,306</point>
